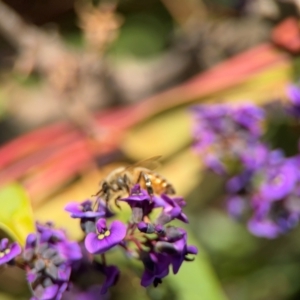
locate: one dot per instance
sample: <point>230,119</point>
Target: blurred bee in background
<point>119,182</point>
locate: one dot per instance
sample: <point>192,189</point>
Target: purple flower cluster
<point>58,269</point>
<point>169,245</point>
<point>47,258</point>
<point>266,185</point>
<point>222,134</point>
<point>271,195</point>
<point>157,245</point>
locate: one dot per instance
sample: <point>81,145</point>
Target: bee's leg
<point>148,183</point>
<point>105,189</point>
<point>116,202</point>
<point>127,184</point>
<point>97,200</point>
<point>139,178</point>
<point>97,194</point>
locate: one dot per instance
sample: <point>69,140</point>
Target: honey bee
<point>119,182</point>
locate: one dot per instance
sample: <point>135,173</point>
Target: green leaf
<point>196,280</point>
<point>16,217</point>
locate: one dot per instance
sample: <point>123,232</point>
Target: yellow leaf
<point>164,135</point>
<point>16,217</point>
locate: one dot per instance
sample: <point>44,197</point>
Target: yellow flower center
<point>101,236</point>
<point>1,254</point>
<point>6,251</point>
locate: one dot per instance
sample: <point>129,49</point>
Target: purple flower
<point>224,119</point>
<point>263,228</point>
<point>146,227</point>
<point>156,268</point>
<point>279,178</point>
<point>48,258</point>
<point>214,163</point>
<point>8,251</point>
<point>211,116</point>
<point>270,192</point>
<point>49,234</point>
<point>271,219</point>
<point>293,92</point>
<point>49,291</point>
<point>172,210</point>
<point>142,203</point>
<point>239,182</point>
<point>237,200</point>
<point>174,244</point>
<point>181,251</point>
<point>84,210</point>
<point>249,116</point>
<point>227,136</point>
<point>70,251</point>
<point>88,217</point>
<point>112,274</point>
<point>104,239</point>
<point>236,206</point>
<point>254,156</point>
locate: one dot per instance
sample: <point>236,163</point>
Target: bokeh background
<point>86,86</point>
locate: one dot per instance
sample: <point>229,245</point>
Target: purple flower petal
<point>182,249</point>
<point>139,198</point>
<point>214,163</point>
<point>46,293</point>
<point>249,116</point>
<point>101,224</point>
<point>112,275</point>
<point>280,179</point>
<point>61,290</point>
<point>236,206</point>
<point>10,252</point>
<point>63,273</point>
<point>172,210</point>
<point>156,267</point>
<point>137,195</point>
<point>4,244</point>
<point>226,136</point>
<point>192,249</point>
<point>146,227</point>
<point>263,228</point>
<point>293,92</point>
<point>69,250</point>
<point>83,210</point>
<point>31,276</point>
<point>31,241</point>
<point>103,241</point>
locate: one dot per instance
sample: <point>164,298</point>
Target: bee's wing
<point>150,163</point>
